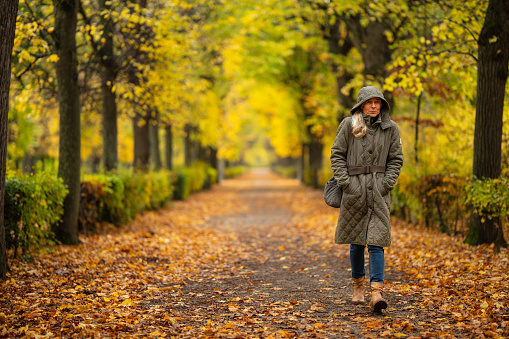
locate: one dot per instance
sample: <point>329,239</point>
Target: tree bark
<point>7,28</point>
<point>339,45</point>
<point>315,158</point>
<point>169,147</point>
<point>373,45</point>
<point>66,17</point>
<point>155,154</point>
<point>142,107</point>
<point>416,144</point>
<point>108,78</point>
<point>492,72</point>
<point>141,142</point>
<point>188,145</point>
<point>109,120</point>
<point>213,158</point>
<point>377,54</point>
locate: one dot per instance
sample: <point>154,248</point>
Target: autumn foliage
<point>253,257</point>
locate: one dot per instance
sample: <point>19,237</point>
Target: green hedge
<point>127,193</point>
<point>32,204</point>
<point>35,202</point>
<point>489,197</point>
<point>286,171</point>
<point>193,179</point>
<point>231,172</point>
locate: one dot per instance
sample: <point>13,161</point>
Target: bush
<point>112,207</point>
<point>32,204</point>
<point>183,184</point>
<point>211,178</point>
<point>286,171</point>
<point>441,199</point>
<point>489,197</point>
<point>161,186</point>
<point>194,179</point>
<point>91,206</point>
<point>128,193</point>
<point>437,200</point>
<point>231,172</point>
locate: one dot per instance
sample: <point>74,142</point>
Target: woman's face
<point>372,107</point>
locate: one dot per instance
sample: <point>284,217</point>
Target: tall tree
<point>168,146</point>
<point>492,72</point>
<point>155,154</point>
<point>108,77</point>
<point>141,40</point>
<point>7,28</point>
<point>66,17</point>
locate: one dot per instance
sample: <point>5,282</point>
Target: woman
<point>367,175</point>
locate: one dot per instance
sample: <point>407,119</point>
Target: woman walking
<point>366,159</point>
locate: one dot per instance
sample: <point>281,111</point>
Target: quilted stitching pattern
<point>364,217</point>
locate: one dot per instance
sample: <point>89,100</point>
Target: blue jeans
<point>376,262</point>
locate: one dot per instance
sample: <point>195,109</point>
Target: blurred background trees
<point>169,84</point>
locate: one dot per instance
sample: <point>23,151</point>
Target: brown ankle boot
<point>378,303</point>
<point>358,291</point>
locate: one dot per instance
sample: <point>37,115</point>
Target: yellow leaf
<point>53,58</point>
<point>485,305</point>
<point>229,325</point>
<point>127,302</point>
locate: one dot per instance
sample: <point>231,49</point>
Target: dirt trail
<point>286,283</point>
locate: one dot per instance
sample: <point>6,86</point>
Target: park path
<point>251,258</point>
<point>287,281</point>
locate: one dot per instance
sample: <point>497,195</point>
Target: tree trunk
<point>315,159</point>
<point>66,17</point>
<point>302,164</point>
<point>155,154</point>
<point>416,144</point>
<point>188,146</point>
<point>169,147</point>
<point>299,165</point>
<point>141,121</point>
<point>377,54</point>
<point>213,158</point>
<point>340,45</point>
<point>110,130</point>
<point>221,166</point>
<point>108,75</point>
<point>492,72</point>
<point>7,28</point>
<point>141,142</point>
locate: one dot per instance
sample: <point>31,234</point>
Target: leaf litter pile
<point>252,258</point>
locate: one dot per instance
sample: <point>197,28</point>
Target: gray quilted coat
<point>365,206</point>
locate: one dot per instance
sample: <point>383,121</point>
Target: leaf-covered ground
<point>254,257</point>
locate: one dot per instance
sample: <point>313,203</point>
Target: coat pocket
<point>381,188</point>
<point>387,199</point>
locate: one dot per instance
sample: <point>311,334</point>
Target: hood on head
<point>369,92</point>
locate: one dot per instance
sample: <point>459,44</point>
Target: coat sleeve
<point>394,160</point>
<point>338,154</point>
